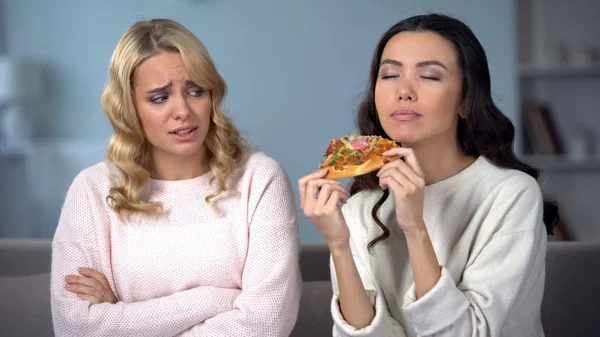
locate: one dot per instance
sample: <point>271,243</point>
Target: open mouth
<point>183,132</point>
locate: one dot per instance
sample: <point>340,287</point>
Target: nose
<point>406,93</point>
<point>181,108</point>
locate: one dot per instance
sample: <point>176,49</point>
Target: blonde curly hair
<point>128,149</point>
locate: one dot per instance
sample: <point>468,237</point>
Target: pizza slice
<point>355,155</point>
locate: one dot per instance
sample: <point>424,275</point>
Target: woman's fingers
<point>303,184</point>
<point>409,158</point>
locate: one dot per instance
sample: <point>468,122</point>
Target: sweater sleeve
<point>75,245</point>
<point>496,279</point>
<point>271,282</point>
<point>383,324</point>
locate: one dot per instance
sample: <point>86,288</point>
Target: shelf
<point>562,163</point>
<point>532,72</point>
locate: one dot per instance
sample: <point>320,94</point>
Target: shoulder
<point>261,167</point>
<point>262,162</point>
<point>515,200</point>
<point>84,201</point>
<point>269,192</point>
<point>512,184</point>
<point>260,173</point>
<point>98,178</point>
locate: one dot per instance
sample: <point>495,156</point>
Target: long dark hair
<point>484,130</point>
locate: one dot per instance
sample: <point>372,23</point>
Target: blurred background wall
<point>295,71</point>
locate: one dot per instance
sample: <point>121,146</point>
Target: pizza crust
<point>353,171</point>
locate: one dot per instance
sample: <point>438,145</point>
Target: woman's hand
<point>406,181</point>
<point>91,286</point>
<point>319,200</point>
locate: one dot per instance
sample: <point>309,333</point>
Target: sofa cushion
<point>24,256</point>
<point>25,305</point>
<point>314,318</point>
<point>571,305</point>
<point>314,263</point>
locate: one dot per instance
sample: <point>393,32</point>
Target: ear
<point>462,113</point>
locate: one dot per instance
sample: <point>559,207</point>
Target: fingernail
<point>80,269</point>
<point>321,171</point>
<point>68,286</point>
<point>68,278</point>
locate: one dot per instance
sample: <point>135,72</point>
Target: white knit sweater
<point>486,227</point>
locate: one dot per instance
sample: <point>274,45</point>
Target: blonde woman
<point>183,231</point>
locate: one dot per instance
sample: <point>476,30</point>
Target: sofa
<point>571,305</point>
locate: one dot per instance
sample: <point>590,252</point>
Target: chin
<point>188,150</point>
<point>403,137</point>
<point>402,133</point>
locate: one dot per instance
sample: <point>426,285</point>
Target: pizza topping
<point>360,143</point>
<point>334,146</point>
<point>354,150</point>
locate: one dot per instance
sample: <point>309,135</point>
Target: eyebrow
<point>163,88</point>
<point>168,85</point>
<point>419,65</point>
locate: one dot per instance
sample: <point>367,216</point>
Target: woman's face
<point>174,112</point>
<point>418,89</point>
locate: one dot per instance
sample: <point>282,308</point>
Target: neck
<point>440,159</point>
<point>166,166</point>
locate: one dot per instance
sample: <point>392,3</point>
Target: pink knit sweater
<point>189,271</point>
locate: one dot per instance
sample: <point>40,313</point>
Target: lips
<point>183,131</point>
<point>405,115</point>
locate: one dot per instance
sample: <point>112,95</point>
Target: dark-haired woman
<point>449,240</point>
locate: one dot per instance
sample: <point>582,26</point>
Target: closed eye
<point>430,78</point>
<point>388,76</point>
